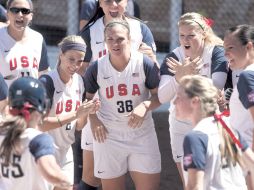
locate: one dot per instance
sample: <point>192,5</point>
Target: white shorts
<point>87,137</point>
<point>178,130</point>
<point>127,151</point>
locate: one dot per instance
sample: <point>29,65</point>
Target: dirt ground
<point>170,179</point>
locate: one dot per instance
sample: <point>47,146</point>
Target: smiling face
<point>18,20</point>
<point>192,40</point>
<point>235,52</point>
<point>117,40</point>
<point>71,61</point>
<point>113,8</point>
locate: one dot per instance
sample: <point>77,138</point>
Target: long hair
<point>200,22</point>
<point>198,86</point>
<point>11,128</point>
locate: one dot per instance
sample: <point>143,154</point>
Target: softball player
<point>128,91</point>
<point>27,158</point>
<point>212,150</point>
<point>65,89</point>
<point>93,34</point>
<point>23,50</point>
<point>200,47</point>
<point>240,53</point>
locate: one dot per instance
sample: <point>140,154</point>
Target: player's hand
<point>98,129</point>
<point>188,67</point>
<point>145,49</point>
<point>87,107</point>
<point>136,117</point>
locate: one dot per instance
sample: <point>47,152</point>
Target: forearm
<point>152,103</point>
<point>50,123</point>
<point>52,172</point>
<point>167,88</point>
<point>81,122</point>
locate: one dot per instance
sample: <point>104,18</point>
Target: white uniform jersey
<point>24,58</point>
<point>202,152</point>
<point>214,66</point>
<point>120,92</point>
<point>64,99</point>
<point>22,172</point>
<point>96,46</point>
<point>241,100</point>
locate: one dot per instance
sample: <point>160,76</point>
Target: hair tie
<point>23,112</point>
<point>209,22</point>
<point>218,117</point>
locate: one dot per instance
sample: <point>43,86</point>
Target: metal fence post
<point>174,15</point>
<point>73,16</point>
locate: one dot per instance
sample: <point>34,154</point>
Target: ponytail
<point>12,129</point>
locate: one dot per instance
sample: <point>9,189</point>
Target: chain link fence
<point>58,18</point>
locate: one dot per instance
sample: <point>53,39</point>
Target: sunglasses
<point>16,10</point>
<point>111,1</point>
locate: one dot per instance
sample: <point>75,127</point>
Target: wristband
<point>59,122</point>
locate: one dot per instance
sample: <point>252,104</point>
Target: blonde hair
<point>199,21</point>
<point>71,39</point>
<point>203,88</point>
<point>12,128</point>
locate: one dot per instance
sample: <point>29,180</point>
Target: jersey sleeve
<point>151,72</point>
<point>3,88</point>
<point>42,145</point>
<point>195,149</point>
<point>219,67</point>
<point>85,34</point>
<point>48,83</point>
<point>164,67</point>
<point>245,88</point>
<point>147,36</point>
<point>44,64</point>
<point>91,84</point>
<point>88,9</point>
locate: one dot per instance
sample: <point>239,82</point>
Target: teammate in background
<point>26,154</point>
<point>123,127</point>
<point>3,97</point>
<point>200,52</point>
<point>212,150</point>
<point>68,112</point>
<point>141,39</point>
<point>89,7</point>
<point>239,49</point>
<point>22,50</point>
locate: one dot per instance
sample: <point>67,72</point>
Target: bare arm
<point>82,23</point>
<point>137,116</point>
<point>80,115</point>
<point>195,179</point>
<point>52,172</point>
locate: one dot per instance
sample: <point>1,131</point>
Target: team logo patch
<point>187,160</point>
<point>135,74</point>
<point>251,96</point>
